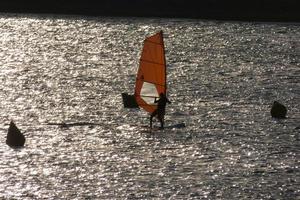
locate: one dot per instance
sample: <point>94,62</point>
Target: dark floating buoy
<point>278,110</point>
<point>14,136</point>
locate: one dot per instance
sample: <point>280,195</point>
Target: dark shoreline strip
<point>240,10</point>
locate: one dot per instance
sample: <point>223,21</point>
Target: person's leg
<point>161,124</point>
<point>161,120</point>
<point>151,117</point>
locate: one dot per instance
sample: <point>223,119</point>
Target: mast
<point>151,75</point>
<point>164,52</point>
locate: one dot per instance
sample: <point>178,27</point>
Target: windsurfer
<point>160,110</point>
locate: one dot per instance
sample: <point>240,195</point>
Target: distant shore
<point>250,10</point>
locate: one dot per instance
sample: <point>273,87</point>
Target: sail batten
<point>149,61</point>
<point>152,82</point>
<point>151,76</point>
<point>153,42</point>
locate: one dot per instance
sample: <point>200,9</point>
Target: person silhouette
<point>159,112</point>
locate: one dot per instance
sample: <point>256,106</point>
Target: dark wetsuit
<point>160,111</point>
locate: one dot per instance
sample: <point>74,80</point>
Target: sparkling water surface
<point>222,80</point>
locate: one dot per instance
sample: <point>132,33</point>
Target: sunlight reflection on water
<point>222,78</point>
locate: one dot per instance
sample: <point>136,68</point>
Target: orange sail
<point>151,76</point>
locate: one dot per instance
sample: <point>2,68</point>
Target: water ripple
<point>222,79</point>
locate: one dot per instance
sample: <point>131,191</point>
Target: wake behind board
<point>68,125</point>
<point>179,125</point>
<point>157,128</point>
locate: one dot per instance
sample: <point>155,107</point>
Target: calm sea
<point>222,80</point>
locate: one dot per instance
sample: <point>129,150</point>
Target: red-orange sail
<point>151,76</point>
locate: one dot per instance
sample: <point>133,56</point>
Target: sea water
<point>222,80</point>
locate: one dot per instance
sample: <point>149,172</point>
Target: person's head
<point>161,94</point>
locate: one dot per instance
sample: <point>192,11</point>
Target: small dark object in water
<point>14,136</point>
<point>278,110</point>
<point>129,101</point>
